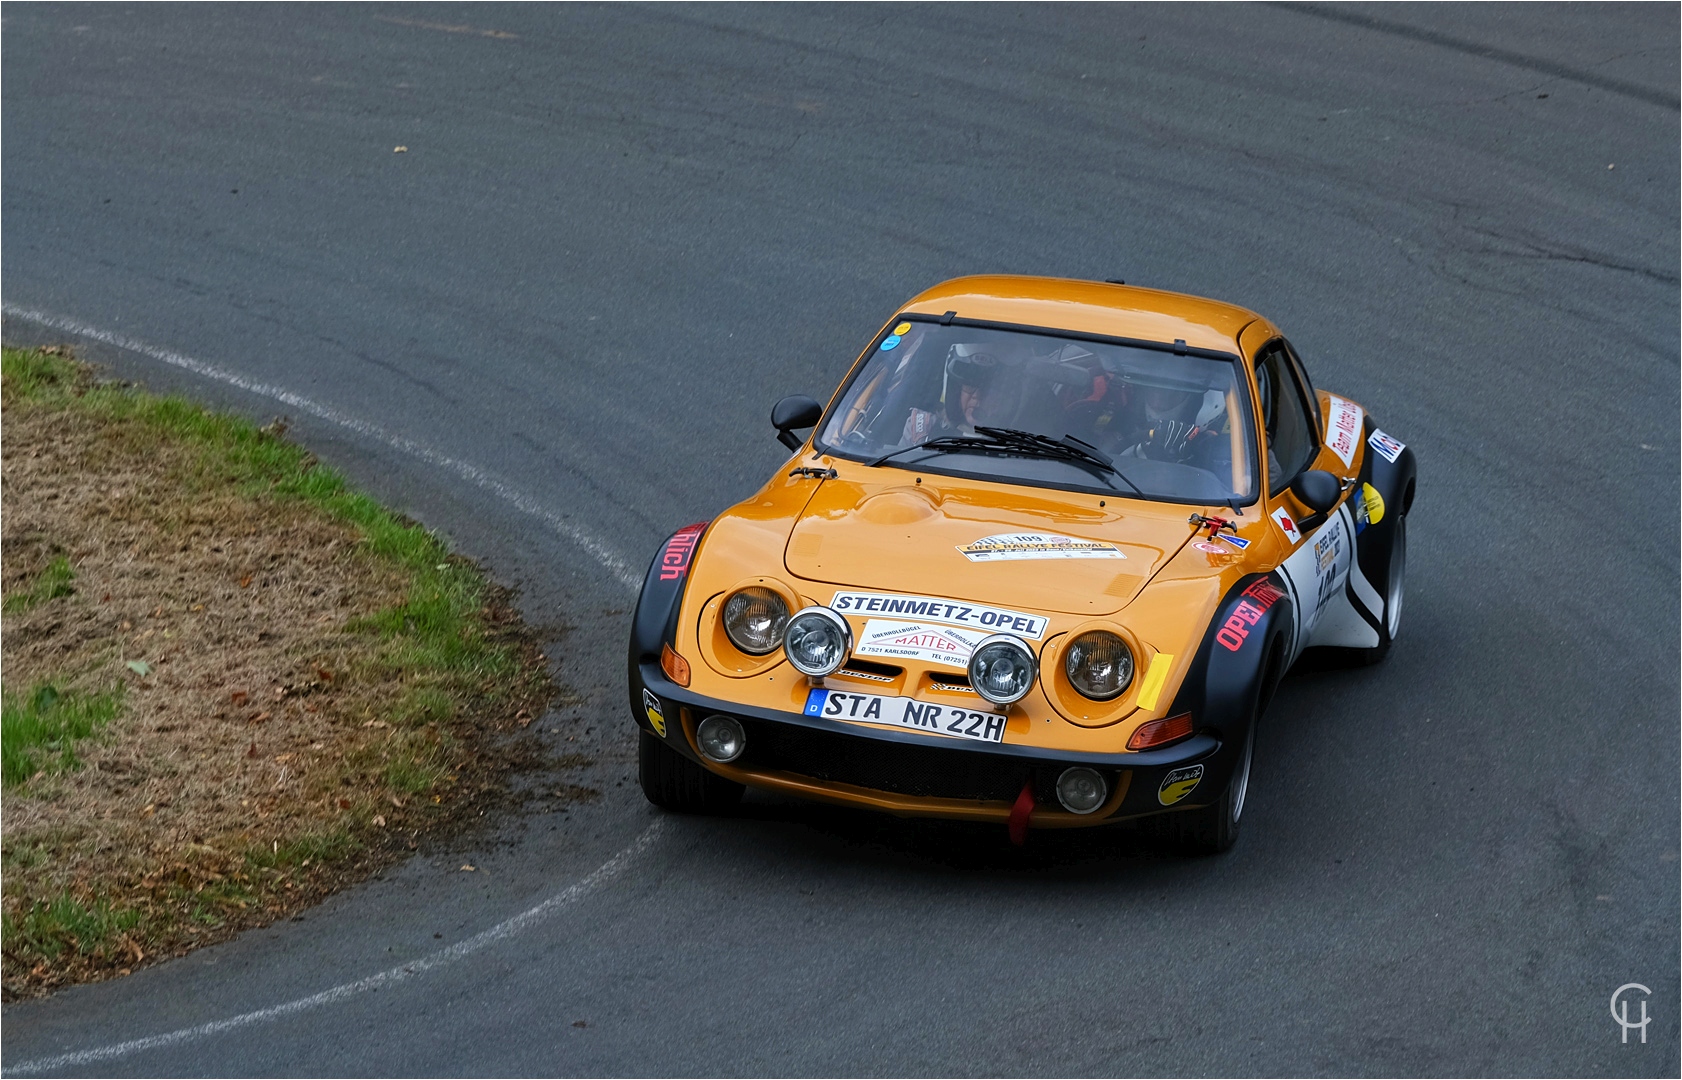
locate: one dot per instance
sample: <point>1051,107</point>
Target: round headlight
<point>754,619</point>
<point>1002,669</point>
<point>1099,665</point>
<point>1081,790</point>
<point>817,641</point>
<point>722,738</point>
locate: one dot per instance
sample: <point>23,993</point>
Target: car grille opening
<point>869,669</point>
<point>901,768</point>
<point>947,681</point>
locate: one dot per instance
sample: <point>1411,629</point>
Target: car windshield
<point>937,397</point>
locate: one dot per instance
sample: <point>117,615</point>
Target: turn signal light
<point>675,666</point>
<point>1157,732</point>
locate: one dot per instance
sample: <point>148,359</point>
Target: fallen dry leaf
<point>238,697</point>
<point>469,867</point>
<point>379,819</point>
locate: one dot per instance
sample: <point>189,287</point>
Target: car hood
<point>986,542</point>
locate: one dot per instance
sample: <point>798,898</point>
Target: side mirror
<point>1317,489</point>
<point>794,411</point>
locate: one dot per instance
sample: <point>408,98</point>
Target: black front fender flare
<point>654,625</point>
<point>1240,658</point>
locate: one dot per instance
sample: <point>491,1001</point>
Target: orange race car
<point>1042,561</point>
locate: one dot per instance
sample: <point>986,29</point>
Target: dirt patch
<point>307,684</point>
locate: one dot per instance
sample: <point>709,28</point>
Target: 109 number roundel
<point>909,713</point>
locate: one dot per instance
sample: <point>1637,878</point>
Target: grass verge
<point>243,683</point>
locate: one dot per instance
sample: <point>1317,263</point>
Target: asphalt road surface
<point>553,329</point>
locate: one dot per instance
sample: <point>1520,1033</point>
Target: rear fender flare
<point>1395,483</point>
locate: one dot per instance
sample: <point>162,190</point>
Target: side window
<point>1290,438</point>
<point>1307,387</point>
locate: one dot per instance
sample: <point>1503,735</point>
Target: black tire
<point>1212,829</point>
<point>673,782</point>
<point>1395,591</point>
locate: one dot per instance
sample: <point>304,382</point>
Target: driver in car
<point>972,392</point>
<point>1175,425</point>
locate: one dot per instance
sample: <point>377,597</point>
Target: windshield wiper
<point>996,440</point>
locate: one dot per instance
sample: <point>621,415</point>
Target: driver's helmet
<point>1169,402</point>
<point>971,365</point>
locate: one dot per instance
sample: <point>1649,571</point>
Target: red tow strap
<point>1019,814</point>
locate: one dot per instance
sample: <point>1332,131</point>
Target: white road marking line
<point>461,949</point>
<point>599,549</point>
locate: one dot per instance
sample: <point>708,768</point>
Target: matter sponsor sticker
<point>1343,426</point>
<point>1387,447</point>
<point>1178,784</point>
<point>933,644</point>
<point>1010,547</point>
<point>1236,541</point>
<point>1213,549</point>
<point>656,717</point>
<point>994,620</point>
<point>1285,521</point>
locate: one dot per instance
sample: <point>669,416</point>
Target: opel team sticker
<point>651,706</point>
<point>1178,784</point>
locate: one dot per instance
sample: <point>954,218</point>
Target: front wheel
<point>673,782</point>
<point>1212,829</point>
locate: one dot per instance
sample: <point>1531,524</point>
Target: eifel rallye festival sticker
<point>1005,547</point>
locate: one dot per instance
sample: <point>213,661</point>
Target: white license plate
<point>909,714</point>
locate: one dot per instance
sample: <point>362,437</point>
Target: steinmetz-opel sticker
<point>931,609</point>
<point>1005,547</point>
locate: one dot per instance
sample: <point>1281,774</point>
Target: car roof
<point>1091,307</point>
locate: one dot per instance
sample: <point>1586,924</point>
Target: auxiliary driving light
<point>1081,790</point>
<point>817,641</point>
<point>722,738</point>
<point>1002,669</point>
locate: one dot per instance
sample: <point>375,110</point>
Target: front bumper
<point>922,776</point>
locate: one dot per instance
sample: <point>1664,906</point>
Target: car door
<point>1319,548</point>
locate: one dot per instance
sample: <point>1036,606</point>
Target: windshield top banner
<point>980,616</point>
